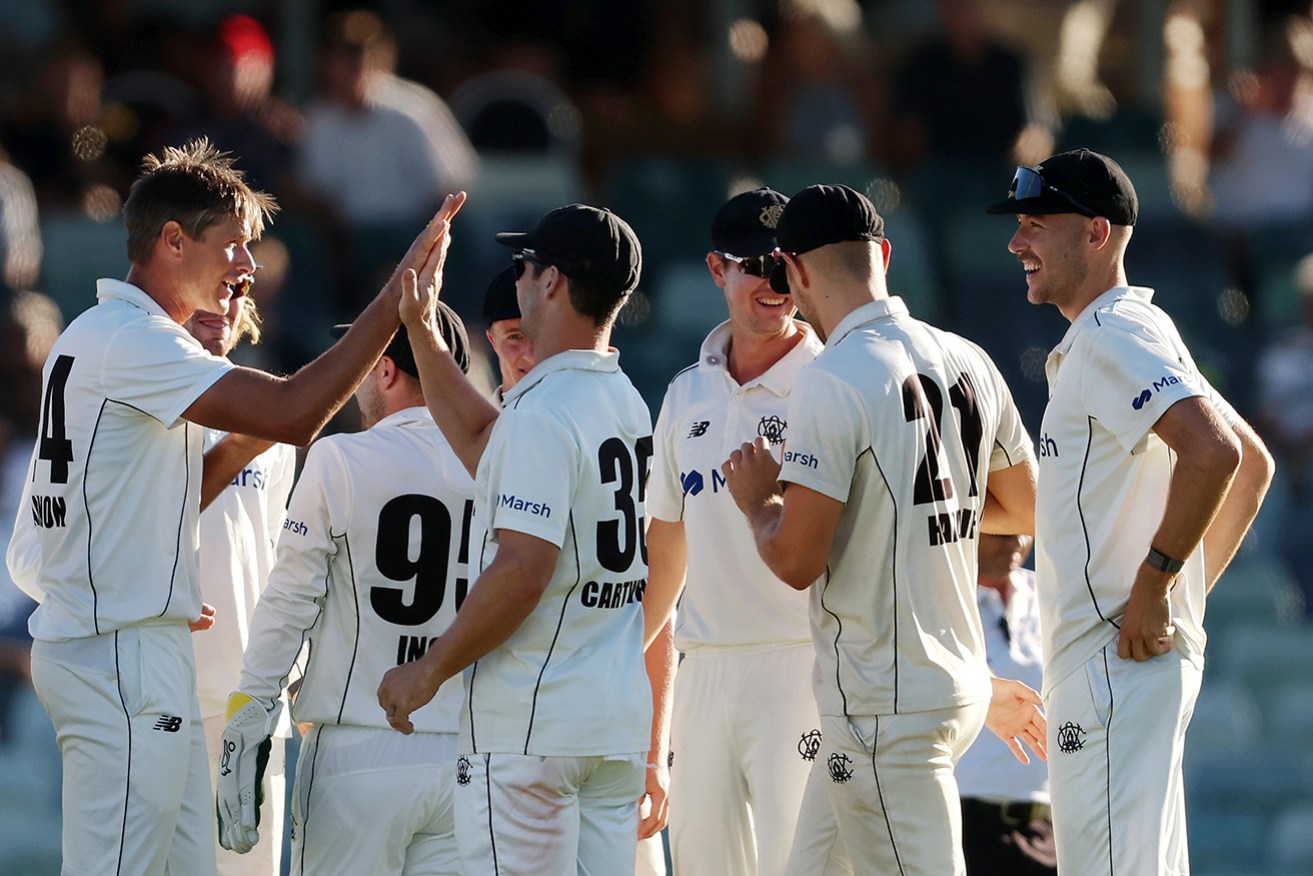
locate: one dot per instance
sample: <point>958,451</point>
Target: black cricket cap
<point>819,216</point>
<point>499,302</point>
<point>746,224</point>
<point>1079,181</point>
<point>588,244</point>
<point>449,326</point>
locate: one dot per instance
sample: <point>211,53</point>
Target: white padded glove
<point>243,756</point>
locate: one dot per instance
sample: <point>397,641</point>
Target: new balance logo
<point>168,723</point>
<point>699,429</point>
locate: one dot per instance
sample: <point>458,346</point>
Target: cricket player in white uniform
<point>557,721</point>
<point>744,727</point>
<point>238,536</point>
<point>372,566</point>
<point>1149,481</point>
<point>106,539</point>
<point>903,443</point>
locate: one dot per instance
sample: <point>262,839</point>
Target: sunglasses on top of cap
<point>1028,183</point>
<point>755,266</point>
<point>526,255</point>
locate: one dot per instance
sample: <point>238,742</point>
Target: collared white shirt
<point>372,565</point>
<point>1104,474</point>
<point>239,537</point>
<point>730,597</point>
<point>112,502</point>
<point>566,462</point>
<point>989,770</point>
<point>902,422</point>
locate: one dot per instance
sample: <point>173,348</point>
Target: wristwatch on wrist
<point>1163,563</point>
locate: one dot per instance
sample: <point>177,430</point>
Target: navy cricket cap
<point>1079,181</point>
<point>449,326</point>
<point>588,244</point>
<point>819,216</point>
<point>746,224</point>
<point>499,302</point>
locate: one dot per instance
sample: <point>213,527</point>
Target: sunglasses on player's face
<point>525,255</point>
<point>1028,183</point>
<point>755,266</point>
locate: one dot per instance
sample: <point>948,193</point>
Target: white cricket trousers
<point>266,859</point>
<point>372,801</point>
<point>744,728</point>
<point>524,815</point>
<point>888,782</point>
<point>137,796</point>
<point>1116,742</point>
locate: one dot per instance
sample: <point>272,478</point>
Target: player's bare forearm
<point>1010,500</point>
<point>667,551</point>
<point>1241,504</point>
<point>462,413</point>
<point>503,597</point>
<point>292,410</point>
<point>660,658</point>
<point>225,461</point>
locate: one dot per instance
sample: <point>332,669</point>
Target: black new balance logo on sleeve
<point>168,723</point>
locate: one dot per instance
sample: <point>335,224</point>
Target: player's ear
<point>172,235</point>
<point>886,250</point>
<point>716,265</point>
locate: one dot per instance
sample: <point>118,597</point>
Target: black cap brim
<point>515,239</point>
<point>1047,204</point>
<point>748,245</point>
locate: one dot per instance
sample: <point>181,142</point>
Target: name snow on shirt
<point>515,503</point>
<point>49,512</point>
<point>948,527</point>
<point>295,526</point>
<point>807,459</point>
<point>612,595</point>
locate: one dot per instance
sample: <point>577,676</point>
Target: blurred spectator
<point>20,236</point>
<point>29,324</point>
<point>1263,142</point>
<point>817,95</point>
<point>1285,389</point>
<point>240,114</point>
<point>379,152</point>
<point>961,94</point>
<point>74,147</point>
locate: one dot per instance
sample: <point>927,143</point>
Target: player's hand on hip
<point>243,755</point>
<point>1016,715</point>
<point>656,791</point>
<point>1147,630</point>
<point>752,475</point>
<point>403,690</point>
<point>205,621</point>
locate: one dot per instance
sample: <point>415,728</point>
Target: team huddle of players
<point>507,582</point>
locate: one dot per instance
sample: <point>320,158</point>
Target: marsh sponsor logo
<point>694,482</point>
<point>515,503</point>
<point>804,459</point>
<point>1047,446</point>
<point>1158,386</point>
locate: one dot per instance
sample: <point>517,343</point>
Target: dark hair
<point>196,186</point>
<point>588,298</point>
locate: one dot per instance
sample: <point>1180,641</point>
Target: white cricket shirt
<point>903,423</point>
<point>566,462</point>
<point>239,535</point>
<point>113,492</point>
<point>1104,474</point>
<point>730,596</point>
<point>989,770</point>
<point>372,565</point>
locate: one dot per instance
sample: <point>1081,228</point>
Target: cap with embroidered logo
<point>745,225</point>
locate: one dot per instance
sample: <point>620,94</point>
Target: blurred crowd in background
<point>359,119</point>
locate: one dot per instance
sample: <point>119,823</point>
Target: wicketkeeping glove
<point>243,755</point>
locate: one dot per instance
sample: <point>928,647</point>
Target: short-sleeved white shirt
<point>114,484</point>
<point>1104,474</point>
<point>239,535</point>
<point>372,565</point>
<point>566,462</point>
<point>730,597</point>
<point>902,422</point>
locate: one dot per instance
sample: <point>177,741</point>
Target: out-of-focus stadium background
<point>359,119</point>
